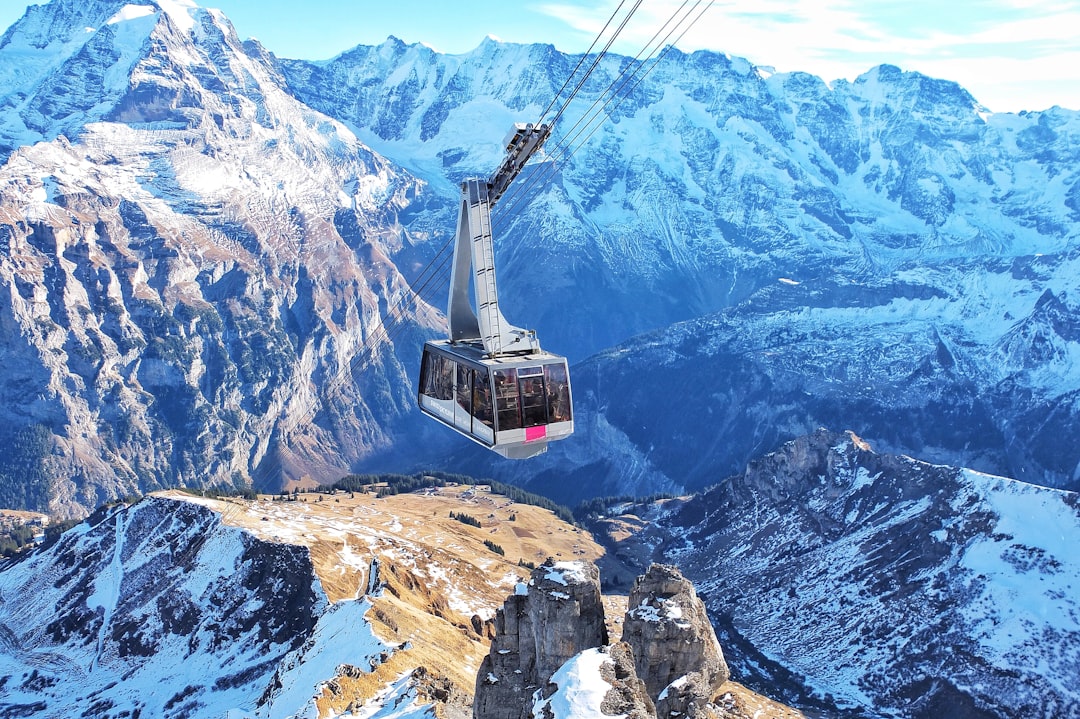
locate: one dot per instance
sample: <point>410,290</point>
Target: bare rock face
<point>557,615</point>
<point>628,695</point>
<point>549,646</point>
<point>675,649</point>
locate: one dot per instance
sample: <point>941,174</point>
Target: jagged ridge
<point>876,583</point>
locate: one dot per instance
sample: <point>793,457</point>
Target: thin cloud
<point>991,47</point>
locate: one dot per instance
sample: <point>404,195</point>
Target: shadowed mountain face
<point>198,255</point>
<point>876,585</point>
<point>108,619</point>
<point>943,366</point>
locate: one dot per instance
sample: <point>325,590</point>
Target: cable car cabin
<point>489,380</point>
<point>512,404</point>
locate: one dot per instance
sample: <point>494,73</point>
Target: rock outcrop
<point>628,695</point>
<point>675,649</point>
<point>549,655</point>
<point>546,622</point>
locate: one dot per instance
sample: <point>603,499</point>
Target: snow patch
<point>674,685</point>
<point>581,689</point>
<point>181,12</point>
<point>131,12</point>
<point>342,636</point>
<point>565,572</point>
<point>658,610</point>
<point>399,701</point>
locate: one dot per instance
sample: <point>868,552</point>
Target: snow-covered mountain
<point>169,609</point>
<point>881,254</point>
<point>205,238</point>
<point>712,178</point>
<point>135,609</point>
<point>877,585</point>
<point>191,261</point>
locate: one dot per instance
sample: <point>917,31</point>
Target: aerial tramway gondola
<point>489,380</point>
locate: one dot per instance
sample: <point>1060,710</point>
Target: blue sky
<point>1010,54</point>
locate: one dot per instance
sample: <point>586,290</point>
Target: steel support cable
<point>611,92</point>
<point>579,63</point>
<point>660,57</point>
<point>512,198</point>
<point>596,61</point>
<point>540,179</point>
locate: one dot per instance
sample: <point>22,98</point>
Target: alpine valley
<point>217,269</point>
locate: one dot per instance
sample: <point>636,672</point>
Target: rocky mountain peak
<point>201,230</point>
<point>65,64</point>
<point>668,663</point>
<point>675,649</point>
<point>552,618</point>
<point>825,543</point>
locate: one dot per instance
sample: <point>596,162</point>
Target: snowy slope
<point>581,689</point>
<point>160,609</point>
<point>879,584</point>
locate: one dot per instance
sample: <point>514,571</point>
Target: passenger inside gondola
<point>558,393</point>
<point>464,388</point>
<point>439,377</point>
<point>533,402</point>
<point>506,399</point>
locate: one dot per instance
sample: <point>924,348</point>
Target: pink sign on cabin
<point>534,433</point>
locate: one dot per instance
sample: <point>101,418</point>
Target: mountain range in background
<point>204,246</point>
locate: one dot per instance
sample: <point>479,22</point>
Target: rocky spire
<point>549,649</point>
<point>675,649</point>
<point>554,617</point>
